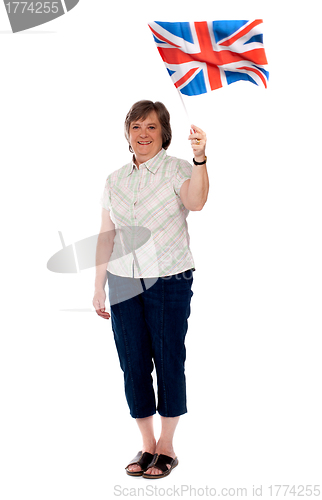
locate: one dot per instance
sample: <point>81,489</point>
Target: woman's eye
<point>152,128</point>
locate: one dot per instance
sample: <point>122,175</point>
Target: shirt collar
<point>152,165</point>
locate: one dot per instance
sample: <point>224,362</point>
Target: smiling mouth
<point>144,143</point>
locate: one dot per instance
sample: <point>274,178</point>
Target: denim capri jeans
<point>149,322</point>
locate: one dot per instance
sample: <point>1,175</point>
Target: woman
<point>150,286</point>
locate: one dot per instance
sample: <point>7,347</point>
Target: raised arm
<point>194,191</point>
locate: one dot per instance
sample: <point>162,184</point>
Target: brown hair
<point>140,110</point>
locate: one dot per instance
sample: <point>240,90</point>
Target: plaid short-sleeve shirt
<point>149,197</point>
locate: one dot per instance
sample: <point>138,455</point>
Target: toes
<point>153,471</point>
<point>134,468</point>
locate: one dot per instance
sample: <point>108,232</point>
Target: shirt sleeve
<point>106,198</point>
<point>184,172</point>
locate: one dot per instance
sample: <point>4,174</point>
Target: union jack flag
<point>204,56</point>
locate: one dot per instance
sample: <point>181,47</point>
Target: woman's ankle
<point>149,446</point>
<point>165,448</point>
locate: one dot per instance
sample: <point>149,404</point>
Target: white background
<point>253,346</point>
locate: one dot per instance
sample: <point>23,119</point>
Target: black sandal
<point>141,459</point>
<point>160,462</point>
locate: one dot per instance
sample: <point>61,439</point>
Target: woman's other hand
<point>99,303</point>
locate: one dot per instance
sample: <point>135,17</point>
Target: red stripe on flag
<point>257,56</point>
<point>206,48</point>
<point>208,55</point>
<point>258,73</point>
<point>214,77</point>
<point>175,56</point>
<point>241,33</point>
<point>186,77</point>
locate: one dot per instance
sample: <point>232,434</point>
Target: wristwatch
<point>201,162</point>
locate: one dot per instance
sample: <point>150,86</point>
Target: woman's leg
<point>166,312</point>
<point>148,439</point>
<point>167,309</point>
<point>133,343</point>
<point>165,443</point>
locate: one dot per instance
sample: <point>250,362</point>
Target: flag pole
<point>183,104</point>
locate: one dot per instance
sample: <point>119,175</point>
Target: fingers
<point>100,309</point>
<point>197,129</point>
<point>197,134</point>
<point>198,140</point>
<point>102,313</point>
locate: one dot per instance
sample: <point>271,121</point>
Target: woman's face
<point>146,138</point>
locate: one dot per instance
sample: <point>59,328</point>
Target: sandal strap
<point>160,462</point>
<point>145,460</point>
<point>142,459</point>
